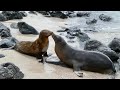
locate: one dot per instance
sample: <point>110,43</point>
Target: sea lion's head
<point>45,33</point>
<point>58,39</point>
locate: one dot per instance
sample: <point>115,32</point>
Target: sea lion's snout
<point>50,33</point>
<point>46,33</point>
<point>55,37</point>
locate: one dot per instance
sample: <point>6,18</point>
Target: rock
<point>43,12</point>
<point>4,31</point>
<point>60,30</point>
<point>71,41</point>
<point>12,15</point>
<point>115,45</point>
<point>70,14</point>
<point>33,12</point>
<point>94,45</point>
<point>83,14</point>
<point>91,21</point>
<point>70,37</point>
<point>10,71</point>
<point>2,17</point>
<point>1,55</point>
<point>24,28</point>
<point>23,13</point>
<point>83,37</point>
<point>8,42</point>
<point>90,29</point>
<point>105,17</point>
<point>110,53</point>
<point>58,14</point>
<point>18,75</point>
<point>73,31</point>
<point>14,25</point>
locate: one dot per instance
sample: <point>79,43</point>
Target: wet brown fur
<point>34,48</point>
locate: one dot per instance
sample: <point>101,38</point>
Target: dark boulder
<point>43,12</point>
<point>10,71</point>
<point>104,17</point>
<point>69,36</point>
<point>83,14</point>
<point>8,42</point>
<point>115,45</point>
<point>73,31</point>
<point>24,28</point>
<point>58,14</point>
<point>1,55</point>
<point>83,36</point>
<point>23,13</point>
<point>91,21</point>
<point>33,12</point>
<point>4,31</point>
<point>61,31</point>
<point>69,13</point>
<point>12,15</point>
<point>94,45</point>
<point>2,17</point>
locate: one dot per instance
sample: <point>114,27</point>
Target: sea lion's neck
<point>43,39</point>
<point>60,45</point>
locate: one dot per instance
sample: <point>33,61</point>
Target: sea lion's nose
<point>52,33</point>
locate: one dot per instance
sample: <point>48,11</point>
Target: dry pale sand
<point>30,66</point>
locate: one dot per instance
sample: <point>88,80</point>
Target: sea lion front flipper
<point>77,70</point>
<point>39,56</point>
<point>46,55</point>
<point>78,73</point>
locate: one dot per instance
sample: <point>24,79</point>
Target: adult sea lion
<point>81,59</point>
<point>37,48</point>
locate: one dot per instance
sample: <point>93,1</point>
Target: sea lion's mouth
<point>55,37</point>
<point>50,34</point>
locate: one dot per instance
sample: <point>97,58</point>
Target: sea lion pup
<point>38,48</point>
<point>81,59</point>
